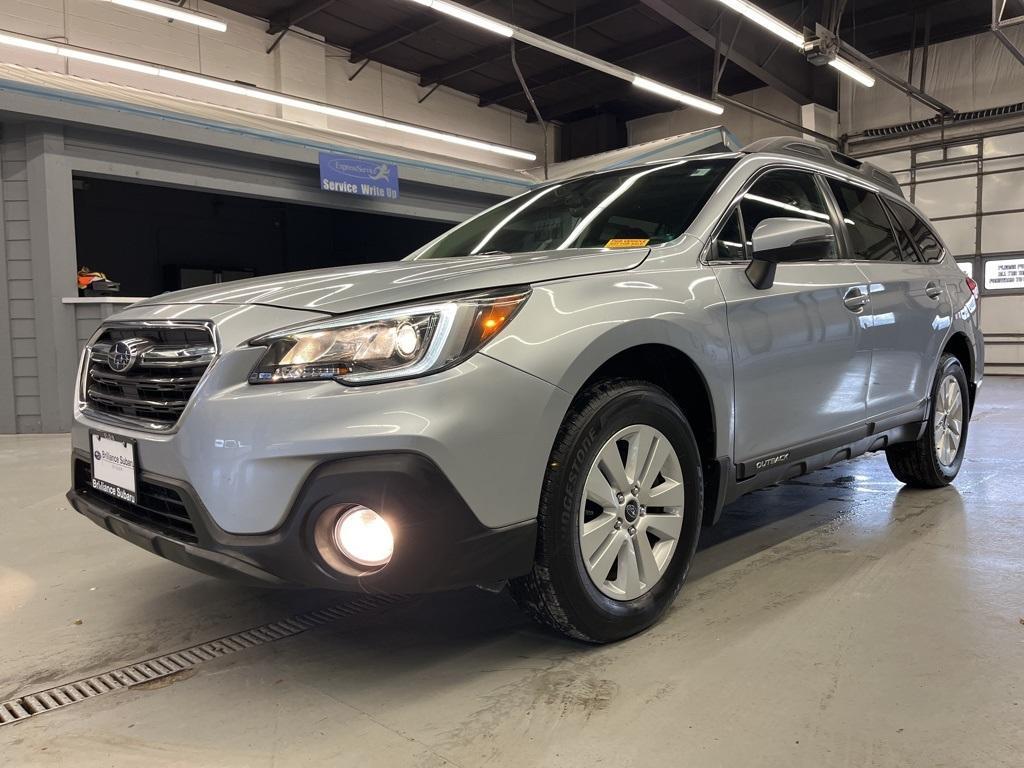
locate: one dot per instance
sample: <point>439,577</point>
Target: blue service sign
<point>358,176</point>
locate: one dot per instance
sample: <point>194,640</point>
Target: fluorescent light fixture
<point>470,17</point>
<point>572,54</point>
<point>851,71</point>
<point>343,114</point>
<point>202,81</point>
<point>72,53</point>
<point>680,96</point>
<point>108,61</point>
<point>33,45</point>
<point>794,37</point>
<point>173,12</point>
<point>766,20</point>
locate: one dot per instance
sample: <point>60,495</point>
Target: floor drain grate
<point>24,707</point>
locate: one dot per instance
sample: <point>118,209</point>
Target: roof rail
<point>812,150</point>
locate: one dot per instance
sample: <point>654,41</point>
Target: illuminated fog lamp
<point>364,537</point>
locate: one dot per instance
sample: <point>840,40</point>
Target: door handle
<point>933,290</point>
<point>855,299</point>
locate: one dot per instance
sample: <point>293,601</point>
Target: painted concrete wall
<point>21,341</point>
<point>39,262</point>
<point>299,65</point>
<point>19,400</point>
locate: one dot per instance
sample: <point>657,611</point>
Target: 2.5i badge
<point>114,466</point>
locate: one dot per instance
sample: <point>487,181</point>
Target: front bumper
<point>246,450</point>
<point>457,458</point>
<point>439,542</point>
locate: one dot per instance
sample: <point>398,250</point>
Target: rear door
<point>801,367</point>
<point>907,321</point>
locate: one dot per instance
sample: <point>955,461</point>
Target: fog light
<point>364,537</point>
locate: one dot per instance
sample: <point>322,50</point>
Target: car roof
<point>825,155</point>
<point>787,146</point>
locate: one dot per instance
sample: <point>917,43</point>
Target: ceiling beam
<point>787,72</point>
<point>614,90</point>
<point>885,15</point>
<point>296,14</point>
<point>561,26</point>
<point>420,22</point>
<point>618,89</point>
<point>618,55</point>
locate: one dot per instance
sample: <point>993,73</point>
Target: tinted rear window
<point>927,243</point>
<point>868,225</point>
<point>638,206</point>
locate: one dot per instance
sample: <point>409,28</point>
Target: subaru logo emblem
<point>124,354</point>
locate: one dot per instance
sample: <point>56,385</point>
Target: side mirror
<point>782,239</point>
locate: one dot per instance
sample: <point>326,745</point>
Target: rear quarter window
<point>927,242</point>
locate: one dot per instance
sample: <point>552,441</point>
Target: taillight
<point>973,285</point>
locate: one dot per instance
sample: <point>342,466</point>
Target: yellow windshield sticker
<point>626,243</point>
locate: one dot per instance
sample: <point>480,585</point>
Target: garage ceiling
<point>670,40</point>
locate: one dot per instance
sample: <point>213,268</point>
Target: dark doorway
<point>153,239</point>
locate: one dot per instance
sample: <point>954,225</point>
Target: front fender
<point>569,329</point>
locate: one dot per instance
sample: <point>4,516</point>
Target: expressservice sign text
<point>358,176</point>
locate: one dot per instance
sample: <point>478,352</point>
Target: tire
<point>560,590</point>
<point>918,464</point>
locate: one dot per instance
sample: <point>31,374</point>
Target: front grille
<point>167,362</point>
<point>159,508</point>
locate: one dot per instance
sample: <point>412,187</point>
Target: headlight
<point>391,344</point>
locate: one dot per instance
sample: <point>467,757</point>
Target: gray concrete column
<point>54,264</point>
<point>8,412</point>
<point>815,117</point>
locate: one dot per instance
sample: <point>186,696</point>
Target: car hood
<point>348,289</point>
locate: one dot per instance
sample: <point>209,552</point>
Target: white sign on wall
<point>1004,274</point>
<point>966,267</point>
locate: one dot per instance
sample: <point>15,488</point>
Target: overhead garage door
<point>973,191</point>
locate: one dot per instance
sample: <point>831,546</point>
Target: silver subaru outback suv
<point>556,394</point>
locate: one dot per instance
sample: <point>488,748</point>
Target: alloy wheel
<point>631,514</point>
<point>948,421</point>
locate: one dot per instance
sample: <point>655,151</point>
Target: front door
<point>800,362</point>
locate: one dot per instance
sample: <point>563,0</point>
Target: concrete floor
<point>835,620</point>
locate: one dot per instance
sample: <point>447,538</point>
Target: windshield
<point>635,207</point>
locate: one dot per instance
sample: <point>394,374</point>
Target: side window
<point>867,223</point>
<point>783,193</point>
<point>729,243</point>
<point>920,233</point>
